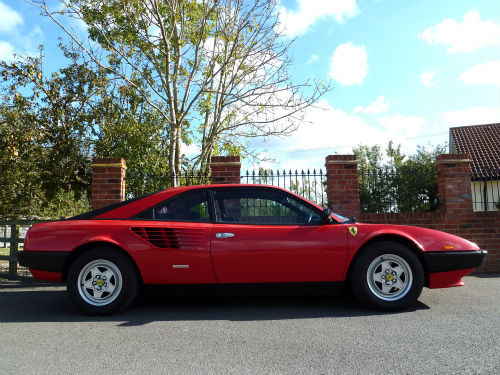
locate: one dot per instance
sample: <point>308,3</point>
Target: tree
<point>395,182</point>
<point>52,126</point>
<point>213,69</point>
<point>42,135</point>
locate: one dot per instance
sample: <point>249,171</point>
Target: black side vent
<point>173,238</point>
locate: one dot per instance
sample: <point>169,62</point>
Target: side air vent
<point>173,238</point>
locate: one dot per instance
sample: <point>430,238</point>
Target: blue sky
<point>402,70</point>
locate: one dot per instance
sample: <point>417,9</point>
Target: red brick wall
<point>108,181</point>
<point>454,176</point>
<point>225,169</point>
<point>483,228</point>
<point>342,184</point>
<point>455,213</point>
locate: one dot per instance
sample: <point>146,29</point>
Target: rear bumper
<point>444,261</point>
<point>53,261</point>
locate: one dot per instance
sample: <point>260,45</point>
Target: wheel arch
<point>92,245</point>
<point>392,238</point>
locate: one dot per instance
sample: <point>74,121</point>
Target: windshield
<point>342,218</point>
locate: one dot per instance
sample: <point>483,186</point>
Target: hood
<point>426,239</point>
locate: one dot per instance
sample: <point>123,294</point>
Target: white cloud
<point>428,78</point>
<point>190,150</point>
<point>264,162</point>
<point>9,18</point>
<point>467,36</point>
<point>313,58</point>
<point>326,130</point>
<point>296,22</point>
<point>472,116</point>
<point>408,126</point>
<point>27,45</point>
<point>378,106</point>
<point>487,73</point>
<point>349,64</point>
<point>6,51</point>
<point>23,45</point>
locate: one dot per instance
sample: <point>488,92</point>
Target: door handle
<point>224,235</point>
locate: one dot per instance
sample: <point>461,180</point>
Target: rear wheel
<point>102,281</point>
<point>387,276</point>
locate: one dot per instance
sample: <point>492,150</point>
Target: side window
<point>262,206</point>
<point>191,206</point>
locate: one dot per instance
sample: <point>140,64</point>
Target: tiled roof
<point>482,143</point>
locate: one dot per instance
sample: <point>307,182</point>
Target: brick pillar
<point>454,176</point>
<point>225,169</point>
<point>108,181</point>
<point>342,186</point>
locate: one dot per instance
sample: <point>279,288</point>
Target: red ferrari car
<point>240,236</point>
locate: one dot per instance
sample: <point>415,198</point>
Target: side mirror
<point>326,216</point>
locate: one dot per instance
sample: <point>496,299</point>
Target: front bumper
<point>444,261</point>
<point>446,268</point>
<point>53,261</point>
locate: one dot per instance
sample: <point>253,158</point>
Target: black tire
<point>387,276</point>
<point>102,281</point>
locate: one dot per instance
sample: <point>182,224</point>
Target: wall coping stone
<point>217,163</point>
<point>341,162</point>
<point>121,165</point>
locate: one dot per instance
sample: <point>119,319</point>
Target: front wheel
<point>387,276</point>
<point>102,281</point>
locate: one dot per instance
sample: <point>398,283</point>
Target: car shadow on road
<point>53,305</point>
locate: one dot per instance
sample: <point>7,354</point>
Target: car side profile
<point>239,236</point>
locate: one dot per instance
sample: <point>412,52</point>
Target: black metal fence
<point>308,184</point>
<point>397,190</point>
<point>139,183</point>
<point>485,187</point>
<point>381,190</point>
<point>12,235</point>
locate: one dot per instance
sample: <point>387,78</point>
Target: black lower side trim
<point>442,261</point>
<point>264,289</point>
<point>43,260</point>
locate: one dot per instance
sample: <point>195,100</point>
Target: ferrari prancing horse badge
<point>353,231</point>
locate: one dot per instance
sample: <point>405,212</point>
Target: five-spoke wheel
<point>102,281</point>
<point>387,275</point>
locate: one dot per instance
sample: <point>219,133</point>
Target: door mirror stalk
<point>326,216</point>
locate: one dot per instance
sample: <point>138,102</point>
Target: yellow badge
<point>353,231</point>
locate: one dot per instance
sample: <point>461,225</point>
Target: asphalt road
<point>450,331</point>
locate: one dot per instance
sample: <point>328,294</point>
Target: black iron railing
<point>404,189</point>
<point>308,184</point>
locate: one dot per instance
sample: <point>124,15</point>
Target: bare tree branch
<point>214,69</point>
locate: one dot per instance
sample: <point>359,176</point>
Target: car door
<point>266,235</point>
<point>178,231</point>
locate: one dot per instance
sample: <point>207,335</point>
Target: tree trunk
<point>178,154</point>
<point>171,156</point>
